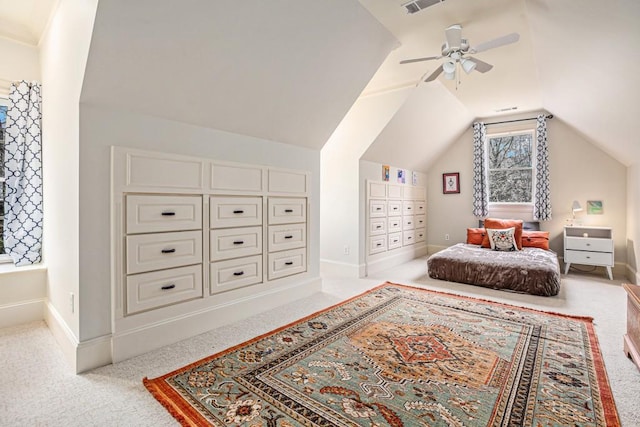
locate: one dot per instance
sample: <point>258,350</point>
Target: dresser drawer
<point>395,240</point>
<point>147,252</point>
<point>377,208</point>
<point>394,224</point>
<point>288,236</point>
<point>286,263</point>
<point>420,221</point>
<point>160,288</point>
<point>394,208</point>
<point>589,244</point>
<point>408,223</point>
<point>235,211</point>
<point>407,208</point>
<point>377,244</point>
<point>420,235</point>
<point>589,258</point>
<point>235,273</point>
<point>408,237</point>
<point>284,211</point>
<point>149,214</point>
<point>226,243</point>
<point>377,226</point>
<point>419,208</point>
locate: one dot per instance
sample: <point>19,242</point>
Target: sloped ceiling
<point>282,70</point>
<point>563,63</point>
<point>25,20</point>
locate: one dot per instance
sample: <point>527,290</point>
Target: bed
<point>531,270</point>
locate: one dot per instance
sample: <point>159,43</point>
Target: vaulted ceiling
<point>290,70</point>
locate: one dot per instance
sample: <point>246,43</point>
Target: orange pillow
<point>501,224</point>
<point>475,235</point>
<point>535,239</point>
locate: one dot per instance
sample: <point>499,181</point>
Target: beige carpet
<point>39,389</point>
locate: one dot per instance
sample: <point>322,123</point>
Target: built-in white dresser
<point>193,239</point>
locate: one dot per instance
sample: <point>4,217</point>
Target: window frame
<point>4,257</point>
<point>513,207</point>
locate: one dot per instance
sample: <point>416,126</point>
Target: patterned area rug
<point>402,356</point>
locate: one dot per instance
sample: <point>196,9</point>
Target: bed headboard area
<point>527,225</point>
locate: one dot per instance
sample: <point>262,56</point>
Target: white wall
<point>100,128</point>
<point>19,62</point>
<point>579,171</point>
<point>340,158</point>
<point>63,55</point>
<point>633,222</point>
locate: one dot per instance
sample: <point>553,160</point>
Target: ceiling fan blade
<point>481,66</point>
<point>428,58</point>
<point>454,36</point>
<point>434,75</point>
<point>500,41</point>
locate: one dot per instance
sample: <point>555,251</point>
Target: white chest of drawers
<point>589,246</point>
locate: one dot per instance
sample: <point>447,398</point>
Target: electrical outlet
<point>446,237</point>
<point>346,250</point>
<point>72,302</point>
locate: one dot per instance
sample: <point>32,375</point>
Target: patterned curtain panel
<point>542,204</point>
<point>480,193</point>
<point>23,172</point>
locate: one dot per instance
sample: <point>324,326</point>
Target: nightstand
<point>588,246</point>
<point>632,337</point>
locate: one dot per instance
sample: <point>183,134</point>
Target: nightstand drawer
<point>147,252</point>
<point>148,214</point>
<point>160,288</point>
<point>589,258</point>
<point>589,244</point>
<point>229,243</point>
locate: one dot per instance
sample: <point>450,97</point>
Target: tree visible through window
<point>510,168</point>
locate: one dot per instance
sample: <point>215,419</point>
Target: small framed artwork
<point>385,172</point>
<point>594,207</point>
<point>451,183</point>
<point>402,176</point>
<point>414,178</point>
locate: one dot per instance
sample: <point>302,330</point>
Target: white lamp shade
<point>468,65</point>
<point>576,206</point>
<point>449,76</point>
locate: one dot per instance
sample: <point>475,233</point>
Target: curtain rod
<point>548,116</point>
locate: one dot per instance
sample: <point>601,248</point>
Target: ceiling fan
<point>456,49</point>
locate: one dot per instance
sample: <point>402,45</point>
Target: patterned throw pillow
<point>503,239</point>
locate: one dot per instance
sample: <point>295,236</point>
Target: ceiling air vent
<point>418,5</point>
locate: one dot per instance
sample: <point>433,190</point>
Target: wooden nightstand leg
<point>609,273</point>
<point>566,267</point>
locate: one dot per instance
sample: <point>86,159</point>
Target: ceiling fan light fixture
<point>468,65</point>
<point>449,67</point>
<point>450,76</point>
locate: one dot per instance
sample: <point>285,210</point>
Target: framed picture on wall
<point>451,183</point>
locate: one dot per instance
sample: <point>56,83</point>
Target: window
<point>510,161</point>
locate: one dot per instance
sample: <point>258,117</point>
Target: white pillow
<point>502,239</point>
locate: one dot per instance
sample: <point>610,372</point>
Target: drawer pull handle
<point>288,210</point>
<point>379,227</point>
<point>288,237</point>
<point>238,273</point>
<point>588,257</point>
<point>408,238</point>
<point>239,211</point>
<point>168,251</point>
<point>409,223</point>
<point>409,208</point>
<point>288,263</point>
<point>239,242</point>
<point>378,244</point>
<point>168,213</point>
<point>588,244</point>
<point>167,287</point>
<point>378,209</point>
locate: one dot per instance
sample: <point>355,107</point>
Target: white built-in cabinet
<point>192,235</point>
<point>395,220</point>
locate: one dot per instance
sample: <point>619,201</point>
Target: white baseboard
<point>390,259</point>
<point>151,337</point>
<point>632,275</point>
<point>63,335</point>
<point>329,268</point>
<point>22,312</point>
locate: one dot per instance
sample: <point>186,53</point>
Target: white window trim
<point>515,207</point>
<point>4,258</point>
